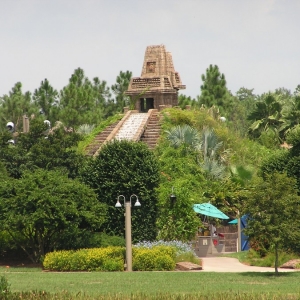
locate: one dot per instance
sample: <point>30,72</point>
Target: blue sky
<point>255,43</point>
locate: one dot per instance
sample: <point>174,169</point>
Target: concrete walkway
<point>228,264</point>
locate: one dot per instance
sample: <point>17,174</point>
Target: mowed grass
<point>153,283</point>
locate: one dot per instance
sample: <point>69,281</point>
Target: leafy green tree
<point>177,221</point>
<point>244,95</point>
<point>14,106</point>
<point>238,116</point>
<point>36,209</point>
<point>119,89</point>
<point>297,90</point>
<point>46,98</point>
<point>183,101</point>
<point>41,149</point>
<point>273,209</point>
<point>126,168</point>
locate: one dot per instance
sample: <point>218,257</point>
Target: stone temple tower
<point>159,83</point>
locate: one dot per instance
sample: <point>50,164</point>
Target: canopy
<point>210,210</point>
<point>235,221</point>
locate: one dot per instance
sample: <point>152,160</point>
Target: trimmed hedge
<point>94,259</point>
<point>159,258</point>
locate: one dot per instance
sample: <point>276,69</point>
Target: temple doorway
<point>146,104</point>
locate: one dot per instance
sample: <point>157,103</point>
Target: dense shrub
<point>183,251</point>
<point>159,258</point>
<point>95,259</point>
<point>111,240</point>
<point>123,168</point>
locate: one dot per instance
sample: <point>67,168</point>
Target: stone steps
<point>99,139</point>
<point>128,130</point>
<point>152,131</point>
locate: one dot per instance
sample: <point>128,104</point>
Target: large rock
<point>187,266</point>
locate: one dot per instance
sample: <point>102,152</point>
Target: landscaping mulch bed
<point>291,264</point>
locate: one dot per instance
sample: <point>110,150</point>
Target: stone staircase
<point>134,126</point>
<point>152,131</point>
<point>92,148</point>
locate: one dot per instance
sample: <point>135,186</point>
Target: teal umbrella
<point>210,210</point>
<point>235,221</point>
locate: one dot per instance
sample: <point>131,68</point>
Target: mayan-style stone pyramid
<point>159,83</point>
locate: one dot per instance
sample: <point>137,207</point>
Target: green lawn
<point>154,283</point>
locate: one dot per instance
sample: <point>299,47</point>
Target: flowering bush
<point>181,247</point>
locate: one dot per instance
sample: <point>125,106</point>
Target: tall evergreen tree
<point>213,89</point>
<point>14,106</point>
<point>119,89</point>
<point>46,98</point>
<point>78,102</point>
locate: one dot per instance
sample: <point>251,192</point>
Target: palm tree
<point>213,162</point>
<point>290,115</point>
<point>184,135</point>
<point>207,145</point>
<point>266,115</point>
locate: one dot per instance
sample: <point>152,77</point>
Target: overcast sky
<point>255,43</point>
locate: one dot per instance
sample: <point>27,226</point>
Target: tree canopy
<point>272,208</point>
<point>126,168</point>
<point>42,205</point>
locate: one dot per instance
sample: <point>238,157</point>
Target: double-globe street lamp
<point>127,205</point>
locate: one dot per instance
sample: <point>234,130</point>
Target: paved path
<point>227,264</point>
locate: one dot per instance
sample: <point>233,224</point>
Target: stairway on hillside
<point>132,128</point>
<point>152,131</point>
<point>99,139</point>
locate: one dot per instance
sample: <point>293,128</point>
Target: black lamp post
<point>172,198</point>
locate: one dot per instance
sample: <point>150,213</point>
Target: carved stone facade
<point>159,83</point>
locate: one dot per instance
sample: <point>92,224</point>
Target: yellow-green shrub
<point>95,259</point>
<point>160,258</point>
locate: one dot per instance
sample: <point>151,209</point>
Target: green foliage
<point>42,205</point>
<point>213,89</point>
<point>184,135</point>
<point>178,221</point>
<point>46,98</point>
<point>89,138</point>
<point>275,162</point>
<point>95,259</point>
<point>119,89</point>
<point>126,168</point>
<point>4,288</point>
<point>159,258</point>
<point>270,139</point>
<point>254,258</point>
<point>83,101</point>
<point>108,240</point>
<point>183,101</point>
<point>293,139</point>
<point>39,149</point>
<point>14,106</point>
<point>197,173</point>
<point>183,251</point>
<point>272,205</point>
